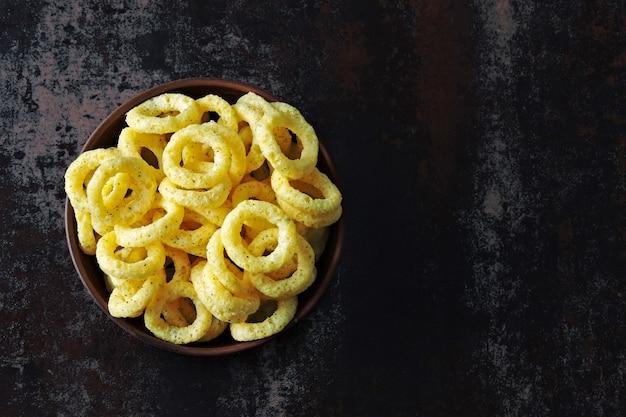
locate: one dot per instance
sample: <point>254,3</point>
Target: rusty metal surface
<point>482,153</point>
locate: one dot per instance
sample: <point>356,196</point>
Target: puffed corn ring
<point>248,115</point>
<point>85,232</point>
<point>236,247</point>
<point>206,135</point>
<point>80,171</point>
<point>171,333</point>
<point>287,284</point>
<point>276,322</point>
<point>180,264</point>
<point>141,194</point>
<point>216,104</point>
<point>192,235</point>
<point>206,198</point>
<point>290,118</point>
<point>165,113</point>
<point>222,303</point>
<point>115,189</point>
<point>111,263</point>
<point>157,230</point>
<point>134,143</point>
<point>130,297</point>
<point>228,274</point>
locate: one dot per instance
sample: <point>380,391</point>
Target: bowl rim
<point>314,294</point>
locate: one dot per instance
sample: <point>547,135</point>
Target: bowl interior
<point>106,135</point>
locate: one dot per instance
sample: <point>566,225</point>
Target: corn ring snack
<point>129,255</point>
<point>206,198</point>
<point>172,333</point>
<point>198,280</point>
<point>134,143</point>
<point>130,209</point>
<point>290,118</point>
<point>277,321</point>
<point>315,202</point>
<point>111,263</point>
<point>195,155</point>
<point>216,328</point>
<point>115,189</point>
<point>223,304</point>
<point>310,219</point>
<point>257,104</point>
<point>130,297</point>
<point>288,283</point>
<point>180,264</point>
<point>247,115</point>
<point>165,113</point>
<point>253,190</point>
<point>237,249</point>
<point>317,238</point>
<point>181,312</point>
<point>193,234</point>
<point>224,270</point>
<point>156,231</point>
<point>216,104</point>
<point>187,178</point>
<point>215,215</point>
<point>85,232</point>
<point>80,171</point>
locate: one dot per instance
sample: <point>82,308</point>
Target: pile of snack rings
<point>206,215</point>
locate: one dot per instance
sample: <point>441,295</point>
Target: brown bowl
<point>106,135</point>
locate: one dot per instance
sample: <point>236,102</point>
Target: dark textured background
<point>482,152</point>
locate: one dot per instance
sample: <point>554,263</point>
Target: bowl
<point>106,135</point>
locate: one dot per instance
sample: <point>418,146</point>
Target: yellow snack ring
<point>171,333</point>
<point>192,235</point>
<point>288,286</point>
<point>133,143</point>
<point>130,297</point>
<point>215,215</point>
<point>236,247</point>
<point>284,313</point>
<point>295,197</point>
<point>310,219</point>
<point>208,136</point>
<point>157,231</point>
<point>222,303</point>
<point>112,264</point>
<point>197,279</point>
<point>216,104</point>
<point>85,232</point>
<point>115,189</point>
<point>80,171</point>
<point>290,118</point>
<point>247,115</point>
<point>180,263</point>
<point>216,328</point>
<point>238,162</point>
<point>317,238</point>
<point>135,205</point>
<point>206,198</point>
<point>253,189</point>
<point>165,113</point>
<point>229,277</point>
<point>179,312</point>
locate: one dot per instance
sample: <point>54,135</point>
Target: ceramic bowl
<point>106,135</point>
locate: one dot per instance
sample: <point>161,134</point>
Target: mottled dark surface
<point>482,152</point>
